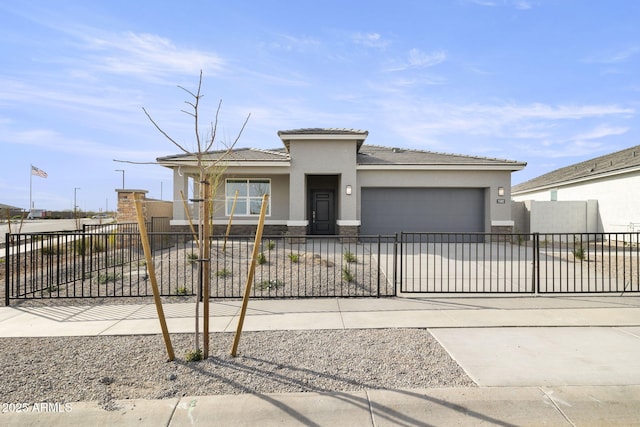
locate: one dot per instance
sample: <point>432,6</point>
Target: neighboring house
<point>326,181</point>
<point>607,187</point>
<point>9,211</point>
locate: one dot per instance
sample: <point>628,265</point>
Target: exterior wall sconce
<point>500,191</point>
<point>348,190</point>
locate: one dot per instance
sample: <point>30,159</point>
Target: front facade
<point>611,181</point>
<point>328,182</point>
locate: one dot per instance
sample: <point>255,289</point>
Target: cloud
<point>148,56</point>
<point>602,131</point>
<point>615,57</point>
<point>288,42</point>
<point>478,128</point>
<point>370,40</point>
<point>419,59</point>
<point>518,4</point>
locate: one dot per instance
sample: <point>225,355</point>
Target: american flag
<point>38,172</point>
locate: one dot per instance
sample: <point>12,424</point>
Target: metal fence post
<point>7,264</point>
<point>378,269</point>
<point>536,263</point>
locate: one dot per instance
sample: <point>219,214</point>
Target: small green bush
<point>182,291</point>
<point>270,284</point>
<point>192,258</point>
<point>262,259</point>
<point>193,355</point>
<point>223,273</point>
<point>350,257</point>
<point>294,257</point>
<point>270,245</point>
<point>347,275</point>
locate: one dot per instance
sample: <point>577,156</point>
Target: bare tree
<point>209,171</point>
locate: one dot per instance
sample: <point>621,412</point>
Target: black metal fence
<point>111,263</point>
<point>519,263</point>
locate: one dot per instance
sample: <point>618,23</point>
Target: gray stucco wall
<point>490,180</point>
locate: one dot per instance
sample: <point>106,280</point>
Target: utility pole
<point>121,170</point>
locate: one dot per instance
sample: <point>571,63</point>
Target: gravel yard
<point>108,368</point>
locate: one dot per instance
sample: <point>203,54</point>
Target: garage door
<point>392,210</point>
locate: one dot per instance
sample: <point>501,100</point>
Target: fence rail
<point>519,263</point>
<point>112,264</point>
<point>106,262</point>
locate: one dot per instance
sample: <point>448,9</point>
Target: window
<point>554,195</point>
<point>250,192</point>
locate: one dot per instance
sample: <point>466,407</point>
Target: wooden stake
<point>152,276</point>
<point>252,269</point>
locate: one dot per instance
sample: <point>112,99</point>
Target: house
<point>328,182</point>
<point>602,193</point>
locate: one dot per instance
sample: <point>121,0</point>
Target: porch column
<point>297,223</point>
<point>180,183</point>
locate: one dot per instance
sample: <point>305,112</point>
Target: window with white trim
<point>250,192</point>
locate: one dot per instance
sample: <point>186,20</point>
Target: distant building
<point>612,181</point>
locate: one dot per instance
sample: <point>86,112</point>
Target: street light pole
<point>75,206</point>
<point>121,170</point>
<point>75,193</point>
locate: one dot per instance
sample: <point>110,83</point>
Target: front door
<point>323,219</point>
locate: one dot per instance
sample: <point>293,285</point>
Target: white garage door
<point>392,210</point>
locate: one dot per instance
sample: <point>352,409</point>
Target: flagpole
<point>30,187</point>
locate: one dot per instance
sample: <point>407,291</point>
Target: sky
<point>546,82</point>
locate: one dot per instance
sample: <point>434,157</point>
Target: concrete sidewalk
<point>536,360</point>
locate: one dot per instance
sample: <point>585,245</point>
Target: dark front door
<point>323,219</point>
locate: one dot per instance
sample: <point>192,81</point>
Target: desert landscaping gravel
<point>110,368</point>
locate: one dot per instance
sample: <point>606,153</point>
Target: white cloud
<point>370,40</point>
<point>288,42</point>
<point>615,57</point>
<point>419,59</point>
<point>148,56</point>
<point>601,131</point>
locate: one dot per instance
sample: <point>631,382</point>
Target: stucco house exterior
<point>328,182</point>
<point>608,187</point>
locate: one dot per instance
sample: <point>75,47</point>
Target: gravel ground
<point>109,368</point>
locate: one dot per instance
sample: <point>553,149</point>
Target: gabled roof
<point>614,163</point>
<point>378,155</point>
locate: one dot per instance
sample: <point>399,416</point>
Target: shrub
<point>192,258</point>
<point>88,243</point>
<point>270,244</point>
<point>223,273</point>
<point>350,257</point>
<point>262,259</point>
<point>270,284</point>
<point>347,275</point>
<point>182,291</point>
<point>294,257</point>
<point>193,355</point>
<point>578,250</point>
